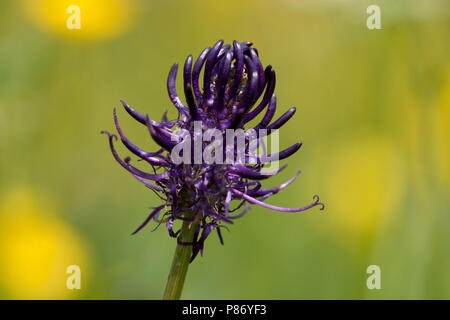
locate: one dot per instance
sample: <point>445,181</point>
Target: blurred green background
<point>373,112</point>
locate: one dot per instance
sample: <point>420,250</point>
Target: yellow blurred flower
<point>36,248</point>
<point>97,18</point>
<point>366,183</point>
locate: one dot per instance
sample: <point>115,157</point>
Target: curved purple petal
<point>281,209</point>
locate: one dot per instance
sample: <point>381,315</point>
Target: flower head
<point>198,189</point>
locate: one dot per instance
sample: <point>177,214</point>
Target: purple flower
<point>234,80</point>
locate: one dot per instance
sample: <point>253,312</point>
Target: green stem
<point>180,262</point>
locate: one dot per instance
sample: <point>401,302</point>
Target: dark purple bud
<point>211,60</point>
<point>270,75</point>
<point>248,173</point>
<point>270,112</point>
<point>161,139</point>
<point>196,74</point>
<point>239,69</point>
<point>171,79</point>
<point>282,154</point>
<point>187,76</point>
